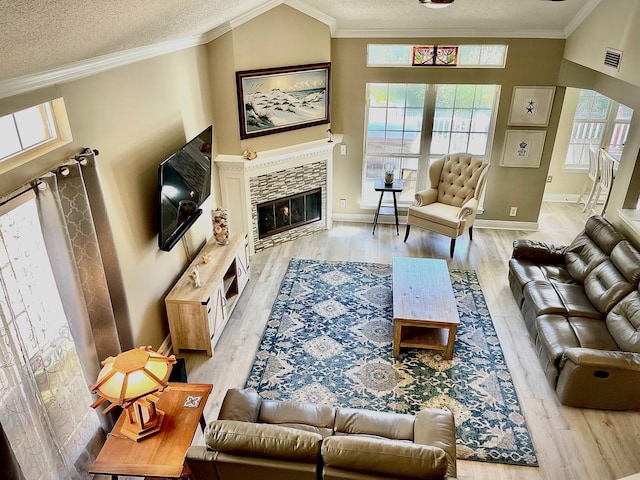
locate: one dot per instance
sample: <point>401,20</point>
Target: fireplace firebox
<point>289,212</point>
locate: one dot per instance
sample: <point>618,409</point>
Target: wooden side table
<point>394,188</point>
<point>160,455</point>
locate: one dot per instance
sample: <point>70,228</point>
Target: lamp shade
<point>133,380</point>
<point>132,374</point>
<point>436,3</point>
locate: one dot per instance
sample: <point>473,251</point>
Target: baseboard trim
<point>506,225</point>
<point>387,219</point>
<point>561,197</point>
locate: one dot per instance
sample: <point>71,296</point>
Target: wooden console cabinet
<point>197,316</point>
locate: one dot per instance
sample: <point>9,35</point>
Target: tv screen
<point>184,183</point>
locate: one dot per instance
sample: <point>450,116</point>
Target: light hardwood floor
<point>571,444</point>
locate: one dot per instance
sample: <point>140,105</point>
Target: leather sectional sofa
<point>581,306</point>
<point>280,440</point>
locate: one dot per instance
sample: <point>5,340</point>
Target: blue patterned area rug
<point>329,340</point>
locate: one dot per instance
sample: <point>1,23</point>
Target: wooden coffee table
<point>162,454</point>
<point>425,314</point>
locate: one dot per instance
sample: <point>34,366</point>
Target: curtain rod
<point>78,158</point>
<point>12,197</point>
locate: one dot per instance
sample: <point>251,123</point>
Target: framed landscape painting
<point>274,100</point>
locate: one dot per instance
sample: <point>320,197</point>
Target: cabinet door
<point>242,266</point>
<point>216,312</point>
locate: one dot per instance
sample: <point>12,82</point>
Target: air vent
<point>612,58</point>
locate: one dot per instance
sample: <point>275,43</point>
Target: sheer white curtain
<point>44,400</point>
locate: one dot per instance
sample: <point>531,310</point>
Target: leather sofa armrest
<point>604,359</point>
<point>425,197</point>
<point>263,440</point>
<point>200,461</point>
<point>436,427</point>
<point>385,458</point>
<point>240,404</point>
<point>538,252</point>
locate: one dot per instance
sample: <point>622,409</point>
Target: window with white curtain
<point>44,400</point>
<point>408,125</point>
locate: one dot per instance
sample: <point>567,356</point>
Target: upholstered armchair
<point>449,206</point>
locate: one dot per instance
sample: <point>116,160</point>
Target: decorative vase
<point>220,218</point>
<point>389,171</point>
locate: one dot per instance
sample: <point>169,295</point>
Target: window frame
<point>60,122</point>
<point>424,157</point>
<point>461,52</point>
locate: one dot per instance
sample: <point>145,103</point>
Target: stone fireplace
<point>283,184</point>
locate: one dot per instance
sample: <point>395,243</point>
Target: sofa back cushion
<point>395,426</point>
<point>605,286</point>
<point>383,458</point>
<point>263,440</point>
<point>627,259</point>
<point>305,416</point>
<point>591,247</point>
<point>623,322</point>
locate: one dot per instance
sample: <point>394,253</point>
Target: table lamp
<point>134,381</point>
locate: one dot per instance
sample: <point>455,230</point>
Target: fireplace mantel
<point>236,174</point>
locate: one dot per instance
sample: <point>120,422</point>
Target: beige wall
<point>567,184</point>
<point>135,116</point>
<point>280,37</point>
<point>530,62</point>
<point>612,24</point>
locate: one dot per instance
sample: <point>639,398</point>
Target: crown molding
<point>85,68</point>
<point>92,66</point>
<point>584,12</point>
<point>445,32</point>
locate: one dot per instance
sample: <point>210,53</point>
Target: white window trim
<point>63,129</point>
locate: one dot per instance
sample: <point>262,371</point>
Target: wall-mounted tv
<point>184,183</point>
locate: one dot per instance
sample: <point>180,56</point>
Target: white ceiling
<point>54,35</point>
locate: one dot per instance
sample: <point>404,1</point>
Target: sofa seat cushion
<point>395,426</point>
<point>526,271</point>
<point>439,213</point>
<point>304,416</point>
<point>623,322</point>
<point>384,457</point>
<point>576,301</point>
<point>557,333</point>
<point>263,440</point>
<point>541,298</point>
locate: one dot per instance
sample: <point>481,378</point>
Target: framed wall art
<point>523,148</point>
<point>531,106</point>
<point>435,56</point>
<point>274,100</point>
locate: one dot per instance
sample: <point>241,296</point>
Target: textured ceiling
<point>38,36</point>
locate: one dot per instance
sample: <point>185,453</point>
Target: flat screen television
<point>184,183</point>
